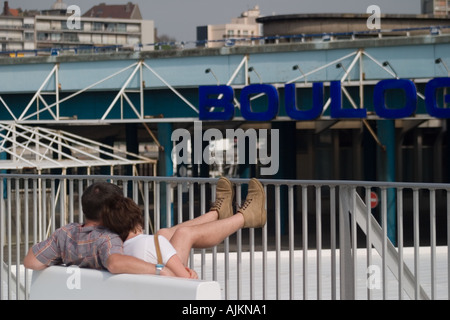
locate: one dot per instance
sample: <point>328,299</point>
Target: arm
<point>31,262</point>
<point>119,263</point>
<point>177,267</point>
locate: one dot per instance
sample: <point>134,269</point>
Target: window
<point>70,37</point>
<point>97,38</point>
<point>132,40</point>
<point>121,27</point>
<point>42,36</point>
<point>121,39</point>
<point>98,26</point>
<point>109,39</point>
<point>29,36</point>
<point>84,38</point>
<point>55,37</point>
<point>110,27</point>
<point>43,25</point>
<point>133,28</point>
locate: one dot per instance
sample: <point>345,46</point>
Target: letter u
<point>291,102</point>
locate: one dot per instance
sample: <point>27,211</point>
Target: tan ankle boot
<point>224,198</point>
<point>253,209</point>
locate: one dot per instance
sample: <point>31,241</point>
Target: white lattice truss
<point>42,148</point>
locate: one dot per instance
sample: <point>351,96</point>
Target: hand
<point>192,273</point>
<point>167,272</point>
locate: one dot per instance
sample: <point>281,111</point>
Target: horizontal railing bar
<point>275,182</point>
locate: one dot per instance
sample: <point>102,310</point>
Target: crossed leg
<point>202,232</point>
<point>220,222</point>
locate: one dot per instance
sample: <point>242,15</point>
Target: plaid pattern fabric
<point>73,244</point>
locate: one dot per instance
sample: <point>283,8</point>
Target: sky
<point>179,18</point>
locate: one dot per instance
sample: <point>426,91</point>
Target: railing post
<point>347,281</point>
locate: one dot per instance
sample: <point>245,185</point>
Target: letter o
<point>431,101</point>
<point>272,108</point>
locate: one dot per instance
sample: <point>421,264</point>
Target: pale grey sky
<point>180,18</point>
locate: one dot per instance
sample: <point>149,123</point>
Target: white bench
<point>73,283</point>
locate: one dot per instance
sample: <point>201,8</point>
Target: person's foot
<point>224,198</point>
<point>253,209</point>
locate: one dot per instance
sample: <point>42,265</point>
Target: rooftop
<point>7,11</point>
<point>344,16</point>
<point>120,11</point>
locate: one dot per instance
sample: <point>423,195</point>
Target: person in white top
<point>124,217</point>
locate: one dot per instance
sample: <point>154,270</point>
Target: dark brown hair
<point>122,215</point>
<point>96,196</point>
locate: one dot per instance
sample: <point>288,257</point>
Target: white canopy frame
<point>30,147</point>
<point>42,149</point>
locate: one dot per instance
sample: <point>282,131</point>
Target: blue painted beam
<point>20,78</point>
<point>165,169</point>
<point>412,57</point>
<point>386,163</point>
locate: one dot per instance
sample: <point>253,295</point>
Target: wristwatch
<point>159,267</point>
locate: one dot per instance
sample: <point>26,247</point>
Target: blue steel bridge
<point>137,98</point>
<point>142,97</point>
<point>105,96</point>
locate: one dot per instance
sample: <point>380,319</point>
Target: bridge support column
<point>447,123</point>
<point>386,171</point>
<point>165,169</point>
<point>287,158</point>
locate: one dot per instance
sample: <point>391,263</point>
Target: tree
<point>165,42</point>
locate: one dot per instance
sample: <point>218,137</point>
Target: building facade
<point>438,7</point>
<point>56,32</point>
<point>243,27</point>
<point>301,27</point>
<point>55,29</point>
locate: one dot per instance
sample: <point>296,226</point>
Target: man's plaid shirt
<point>73,244</point>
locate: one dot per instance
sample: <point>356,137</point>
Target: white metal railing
<point>321,240</point>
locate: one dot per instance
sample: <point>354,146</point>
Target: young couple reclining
<point>112,236</point>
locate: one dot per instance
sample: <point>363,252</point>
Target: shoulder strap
<point>158,249</point>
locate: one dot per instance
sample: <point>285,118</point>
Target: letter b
<point>224,101</point>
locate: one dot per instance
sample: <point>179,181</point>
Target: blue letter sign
<point>291,104</point>
<point>206,103</point>
<point>224,97</point>
<point>379,98</point>
<point>336,110</point>
<point>272,107</point>
<point>431,101</point>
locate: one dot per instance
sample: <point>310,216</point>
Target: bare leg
<point>204,235</point>
<point>213,227</point>
<point>204,218</point>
